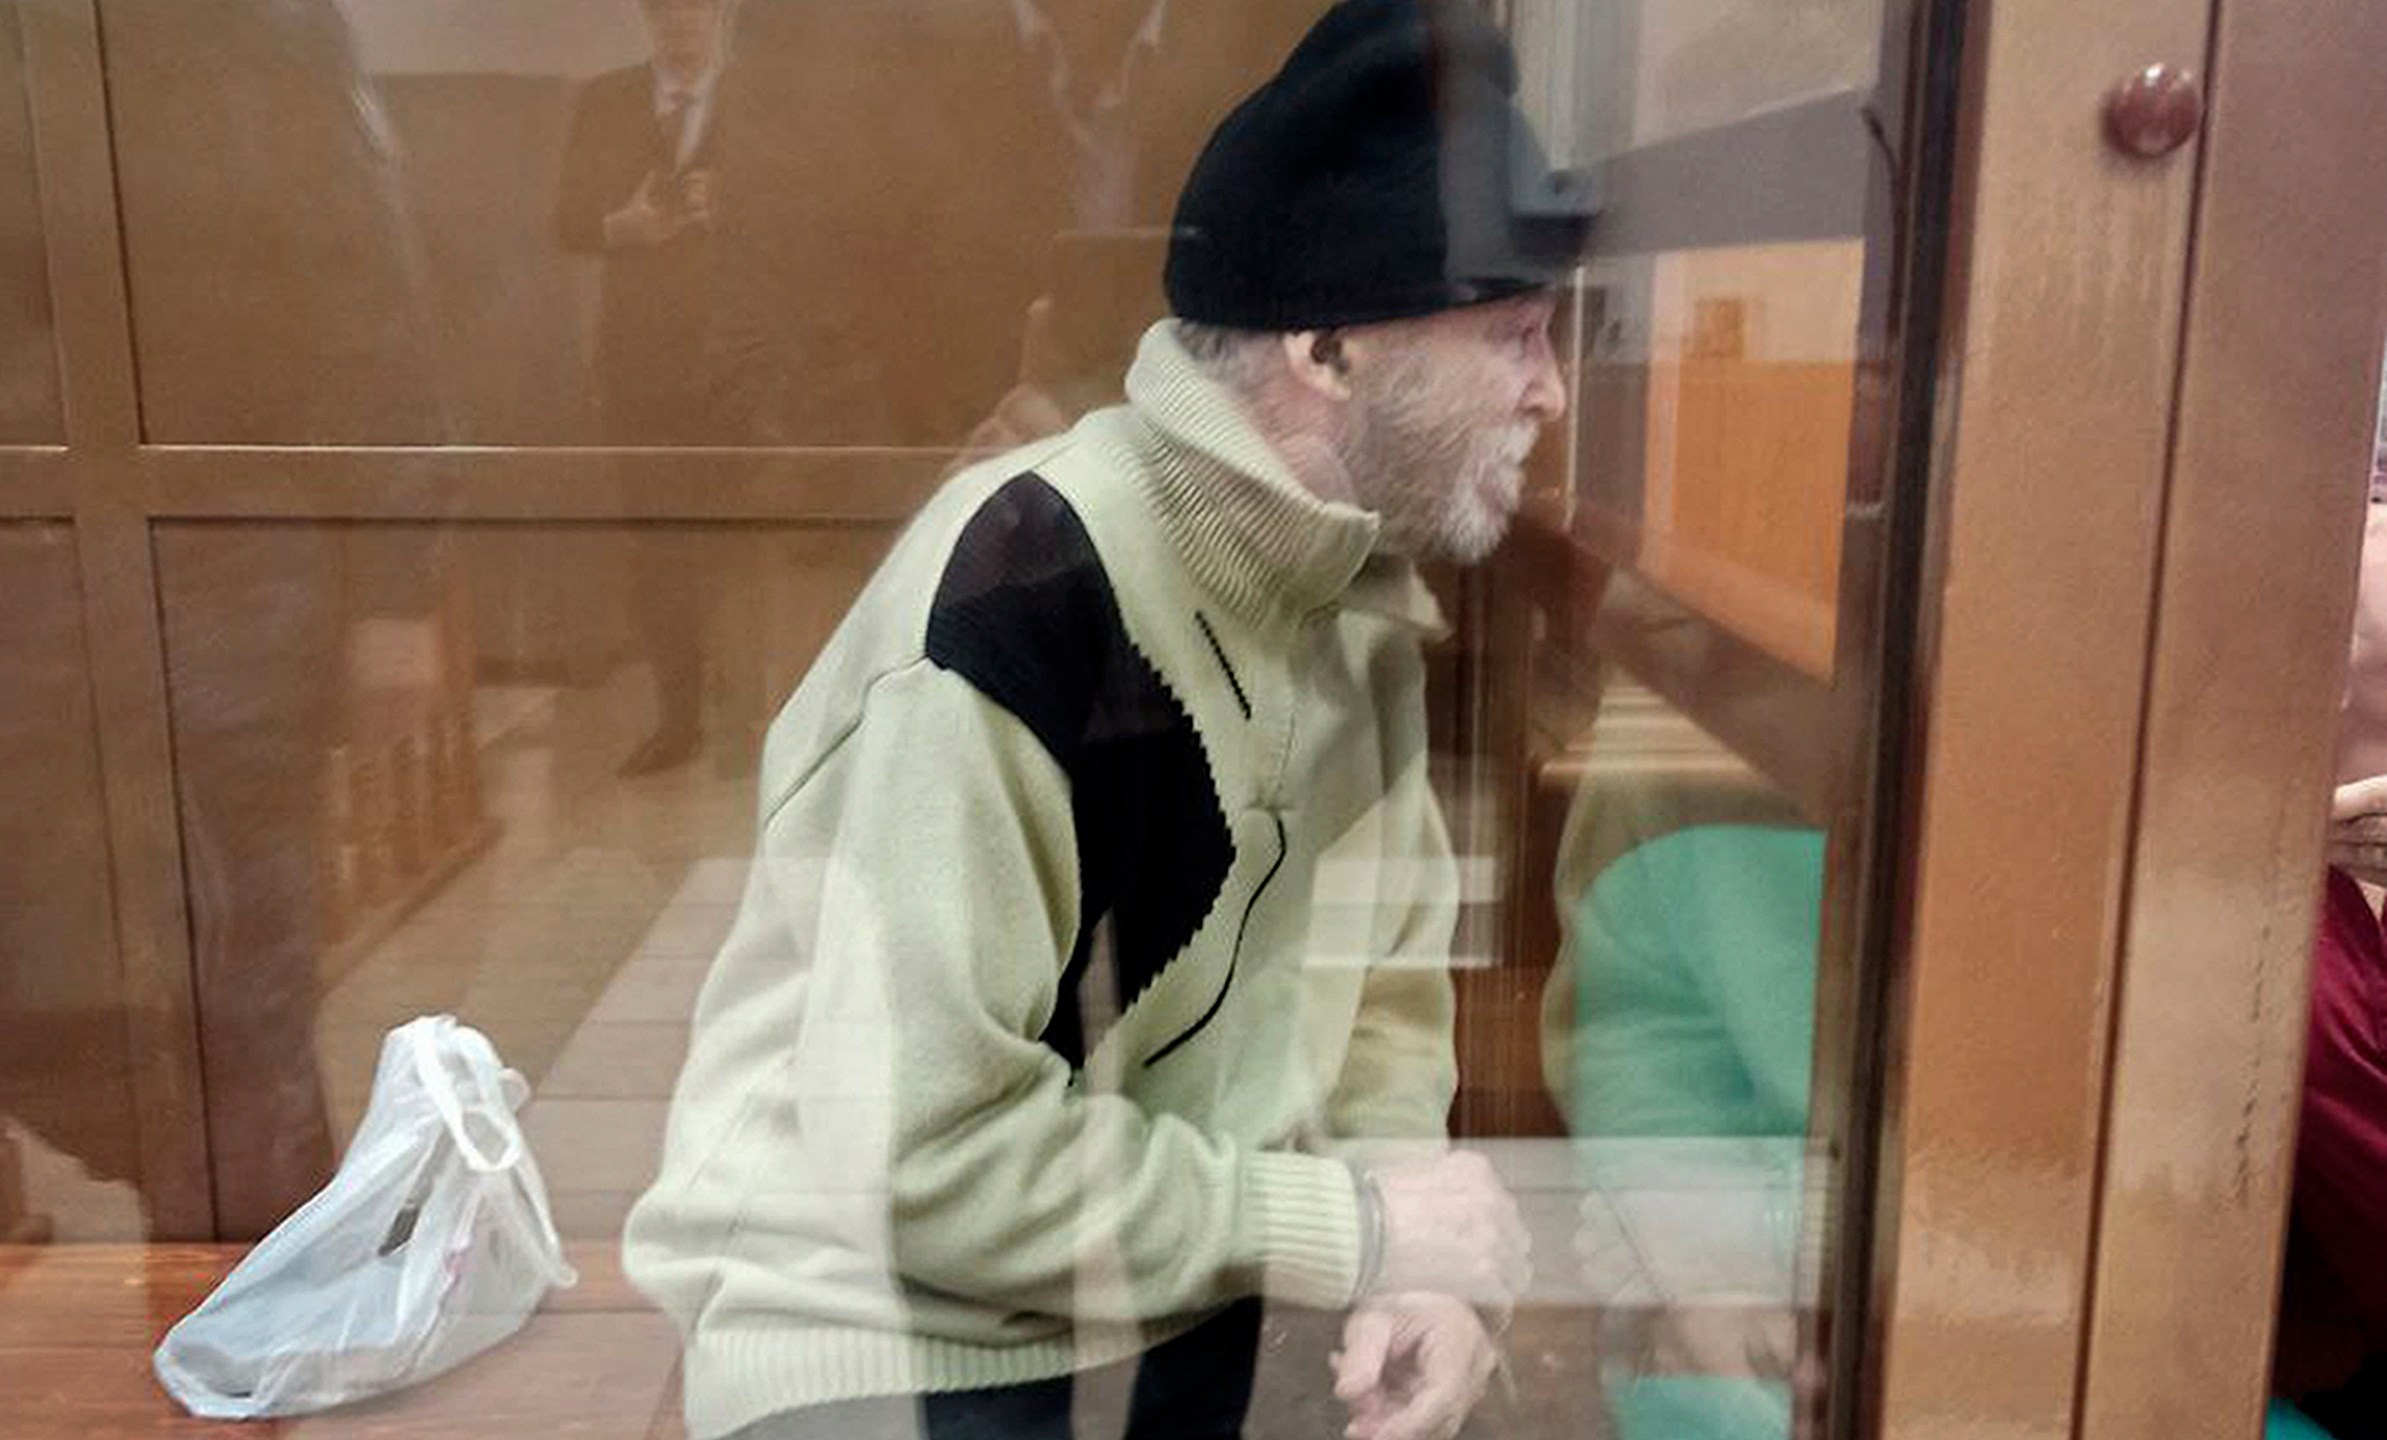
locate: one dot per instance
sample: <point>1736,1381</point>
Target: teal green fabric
<point>1694,959</point>
<point>1694,970</point>
<point>1700,1407</point>
<point>2286,1422</point>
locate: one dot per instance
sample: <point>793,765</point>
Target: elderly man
<point>1091,983</point>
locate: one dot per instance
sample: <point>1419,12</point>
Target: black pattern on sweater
<point>1025,613</point>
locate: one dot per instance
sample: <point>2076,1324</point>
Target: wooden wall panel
<point>70,1142</point>
<point>2287,306</point>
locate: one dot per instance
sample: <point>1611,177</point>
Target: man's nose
<point>1545,392</point>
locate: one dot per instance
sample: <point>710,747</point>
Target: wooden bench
<point>78,1323</point>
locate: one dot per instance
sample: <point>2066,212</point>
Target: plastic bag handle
<point>545,1243</point>
<point>440,1084</point>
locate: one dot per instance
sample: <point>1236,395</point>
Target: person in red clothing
<point>2331,1356</point>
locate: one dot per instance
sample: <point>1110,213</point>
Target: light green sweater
<point>1100,898</point>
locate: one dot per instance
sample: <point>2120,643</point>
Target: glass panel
<point>1679,1029</point>
<point>1711,62</point>
<point>1130,947</point>
<point>389,222</point>
<point>29,411</point>
<point>1605,78</point>
<point>1719,389</point>
<point>1686,734</point>
<point>69,1145</point>
<point>502,772</point>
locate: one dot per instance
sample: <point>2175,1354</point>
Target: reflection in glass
<point>1604,78</point>
<point>399,755</point>
<point>1679,1037</point>
<point>1681,739</point>
<point>69,1141</point>
<point>28,357</point>
<point>1719,393</point>
<point>509,771</point>
<point>381,222</point>
<point>875,281</point>
<point>1706,63</point>
<point>636,194</point>
<point>280,286</point>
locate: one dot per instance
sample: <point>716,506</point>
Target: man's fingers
<point>1367,1341</point>
<point>1514,1234</point>
<point>1444,1358</point>
<point>2359,797</point>
<point>1448,1383</point>
<point>1367,1419</point>
<point>1516,1271</point>
<point>1039,345</point>
<point>1434,1411</point>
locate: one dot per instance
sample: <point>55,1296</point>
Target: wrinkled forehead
<point>1534,306</point>
<point>1468,322</point>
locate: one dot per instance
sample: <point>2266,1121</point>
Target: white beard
<point>1483,500</point>
<point>1444,489</point>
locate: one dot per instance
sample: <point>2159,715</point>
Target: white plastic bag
<point>432,1243</point>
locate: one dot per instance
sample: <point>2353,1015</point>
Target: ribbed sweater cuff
<point>1301,1214</point>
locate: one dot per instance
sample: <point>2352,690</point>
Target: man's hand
<point>1451,1229</point>
<point>1412,1367</point>
<point>647,220</point>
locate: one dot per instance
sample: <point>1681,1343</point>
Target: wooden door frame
<point>2058,356</point>
<point>2271,448</point>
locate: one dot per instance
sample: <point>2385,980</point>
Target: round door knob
<point>2154,112</point>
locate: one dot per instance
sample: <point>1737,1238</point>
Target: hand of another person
<point>646,220</point>
<point>1733,1341</point>
<point>1021,416</point>
<point>2358,829</point>
<point>1412,1367</point>
<point>1450,1228</point>
<point>1027,412</point>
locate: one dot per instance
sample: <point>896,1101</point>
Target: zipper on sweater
<point>1218,652</point>
<point>1272,786</point>
<point>1234,956</point>
<point>1271,795</point>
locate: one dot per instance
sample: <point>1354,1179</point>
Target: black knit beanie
<point>1369,180</point>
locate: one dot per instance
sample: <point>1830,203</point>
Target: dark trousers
<point>1195,1387</point>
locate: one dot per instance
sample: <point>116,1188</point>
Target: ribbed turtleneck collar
<point>1249,531</point>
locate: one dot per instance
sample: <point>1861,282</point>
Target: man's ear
<point>1317,361</point>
